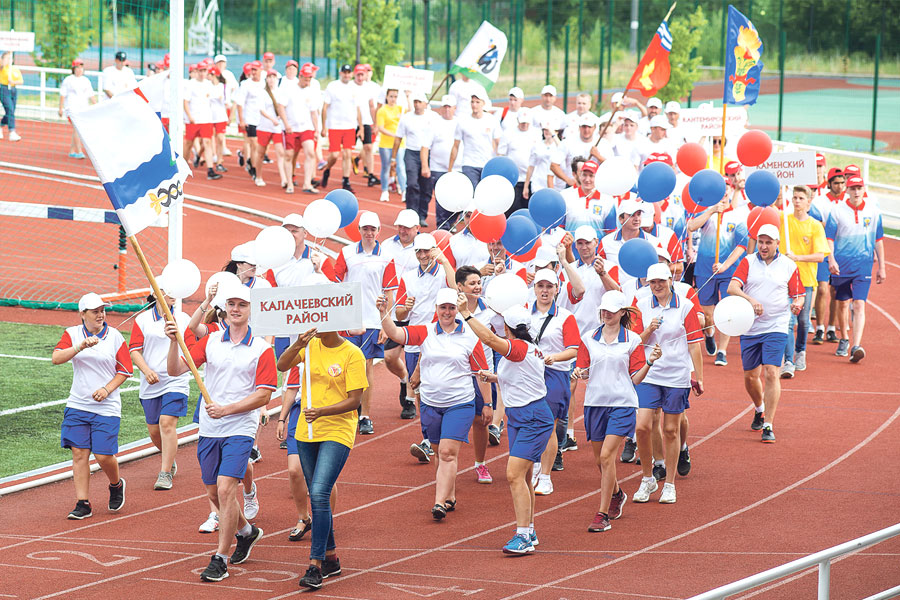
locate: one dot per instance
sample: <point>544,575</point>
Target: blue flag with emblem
<point>743,60</point>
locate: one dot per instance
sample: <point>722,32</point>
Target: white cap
<point>605,117</point>
<point>588,118</point>
<point>220,58</point>
<point>585,232</point>
<point>658,271</point>
<point>673,107</point>
<point>646,218</point>
<point>245,253</point>
<point>424,241</point>
<point>659,121</point>
<point>631,115</point>
<point>617,98</point>
<point>546,275</point>
<point>447,100</point>
<point>480,93</point>
<point>654,102</point>
<point>516,315</point>
<point>293,219</point>
<point>547,125</point>
<point>548,89</point>
<point>446,296</point>
<point>613,301</point>
<point>418,96</point>
<point>370,219</point>
<point>663,253</point>
<point>517,92</point>
<point>90,301</point>
<point>768,230</point>
<point>544,256</point>
<point>629,207</point>
<point>407,218</point>
<point>234,290</point>
<point>524,116</point>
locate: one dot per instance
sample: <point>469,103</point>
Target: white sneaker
<point>544,486</point>
<point>648,486</point>
<point>259,182</point>
<point>403,197</point>
<point>535,474</point>
<point>668,494</point>
<point>251,504</point>
<point>211,524</point>
<point>384,197</point>
<point>14,137</point>
<point>800,360</point>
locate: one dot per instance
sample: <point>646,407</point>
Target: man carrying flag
<point>480,60</point>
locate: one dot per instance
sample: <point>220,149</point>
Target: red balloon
<point>754,148</point>
<point>689,205</point>
<point>352,230</point>
<point>487,229</point>
<point>530,254</point>
<point>442,237</point>
<point>691,158</point>
<point>759,216</point>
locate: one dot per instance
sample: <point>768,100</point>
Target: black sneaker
<point>857,354</point>
<point>81,511</point>
<point>372,181</point>
<point>345,184</point>
<point>402,395</point>
<point>221,169</point>
<point>217,570</point>
<point>366,427</point>
<point>768,436</point>
<point>819,338</point>
<point>659,472</point>
<point>420,451</point>
<point>493,435</point>
<point>628,451</point>
<point>831,337</point>
<point>196,161</point>
<point>711,347</point>
<point>758,420</point>
<point>569,444</point>
<point>721,360</point>
<point>325,175</point>
<point>331,567</point>
<point>240,158</point>
<point>117,495</point>
<point>252,172</point>
<point>684,462</point>
<point>409,410</point>
<point>283,445</point>
<point>255,455</point>
<point>266,159</point>
<point>211,174</point>
<point>558,462</point>
<point>312,579</point>
<point>245,544</point>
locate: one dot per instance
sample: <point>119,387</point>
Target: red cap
<point>206,61</point>
<point>834,172</point>
<point>820,160</point>
<point>268,56</point>
<point>359,69</point>
<point>307,70</point>
<point>855,181</point>
<point>201,66</point>
<point>166,60</point>
<point>590,166</point>
<point>662,157</point>
<point>247,68</point>
<point>367,66</point>
<point>310,66</point>
<point>292,63</point>
<point>160,65</point>
<point>852,170</point>
<point>255,65</point>
<point>273,72</point>
<point>733,167</point>
<point>214,71</point>
<point>77,62</point>
<point>192,67</point>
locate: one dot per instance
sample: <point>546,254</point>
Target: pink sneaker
<point>484,476</point>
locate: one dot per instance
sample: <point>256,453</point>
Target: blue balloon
<point>656,182</point>
<point>762,188</point>
<point>547,207</point>
<point>346,203</point>
<point>522,212</point>
<point>636,256</point>
<point>503,166</point>
<point>707,187</point>
<point>520,235</point>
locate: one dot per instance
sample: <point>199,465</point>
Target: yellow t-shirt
<point>389,118</point>
<point>11,75</point>
<point>333,373</point>
<point>807,237</point>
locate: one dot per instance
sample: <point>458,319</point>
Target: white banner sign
<point>17,41</point>
<point>406,78</point>
<point>791,168</point>
<point>709,120</point>
<point>288,310</point>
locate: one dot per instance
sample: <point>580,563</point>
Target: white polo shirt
<point>293,273</point>
<point>477,137</point>
<point>611,367</point>
<point>250,98</point>
<point>76,92</point>
<point>94,367</point>
<point>197,94</point>
<point>610,245</point>
<point>520,374</point>
<point>414,128</point>
<point>679,328</point>
<point>560,334</point>
<point>366,93</point>
<point>148,336</point>
<point>447,363</point>
<point>296,108</point>
<point>423,286</point>
<point>585,306</point>
<point>217,102</point>
<point>439,141</point>
<point>117,81</point>
<point>233,372</point>
<point>404,257</point>
<point>270,109</point>
<point>516,145</point>
<point>373,270</point>
<point>773,285</point>
<point>466,249</point>
<point>341,99</point>
<point>553,115</point>
<point>570,148</point>
<point>595,209</point>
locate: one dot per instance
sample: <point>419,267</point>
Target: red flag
<point>652,72</point>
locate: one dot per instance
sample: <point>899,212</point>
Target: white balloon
<point>322,218</point>
<point>505,290</point>
<point>454,191</point>
<point>274,246</point>
<point>494,195</point>
<point>733,315</point>
<point>616,176</point>
<point>181,278</point>
<point>223,279</point>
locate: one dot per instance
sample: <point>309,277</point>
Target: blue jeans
<point>385,155</point>
<point>416,185</point>
<point>322,463</point>
<point>473,173</point>
<point>443,217</point>
<point>802,323</point>
<point>8,100</point>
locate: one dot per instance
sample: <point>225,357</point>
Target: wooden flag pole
<point>438,88</point>
<point>721,172</point>
<point>169,318</point>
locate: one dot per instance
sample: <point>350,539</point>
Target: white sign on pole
<point>327,307</point>
<point>406,78</point>
<point>17,41</point>
<point>791,168</point>
<point>709,120</point>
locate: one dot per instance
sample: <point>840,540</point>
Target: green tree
<point>687,33</point>
<point>64,33</point>
<point>377,45</point>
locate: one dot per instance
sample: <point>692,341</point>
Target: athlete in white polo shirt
<point>630,212</point>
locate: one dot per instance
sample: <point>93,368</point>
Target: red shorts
<point>192,130</point>
<point>295,140</point>
<point>165,122</point>
<point>219,127</point>
<point>264,137</point>
<point>341,138</point>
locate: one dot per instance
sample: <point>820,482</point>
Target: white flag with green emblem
<point>481,57</point>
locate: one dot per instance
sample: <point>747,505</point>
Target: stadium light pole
<point>176,123</point>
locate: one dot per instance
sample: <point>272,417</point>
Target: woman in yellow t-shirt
<point>10,77</point>
<point>331,391</point>
<point>387,119</point>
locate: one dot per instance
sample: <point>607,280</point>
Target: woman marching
<point>666,318</point>
<point>93,411</point>
<point>291,407</point>
<point>612,361</point>
<point>450,353</point>
<point>520,375</point>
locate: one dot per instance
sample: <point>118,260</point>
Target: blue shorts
<point>823,275</point>
<point>447,423</point>
<point>601,421</point>
<point>83,429</point>
<point>762,349</point>
<point>280,345</point>
<point>855,288</point>
<point>479,399</point>
<point>710,293</point>
<point>223,457</point>
<point>496,360</point>
<point>368,343</point>
<point>529,429</point>
<point>558,392</point>
<point>672,400</point>
<point>411,359</point>
<point>173,404</point>
<point>293,417</point>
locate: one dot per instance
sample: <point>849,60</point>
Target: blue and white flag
<point>130,150</point>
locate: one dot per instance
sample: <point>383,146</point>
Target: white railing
<point>821,559</point>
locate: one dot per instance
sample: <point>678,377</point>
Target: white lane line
<point>218,587</point>
<point>49,569</point>
<point>21,409</point>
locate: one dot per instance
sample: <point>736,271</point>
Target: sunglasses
<point>717,142</point>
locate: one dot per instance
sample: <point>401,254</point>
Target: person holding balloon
<point>630,216</point>
<point>465,247</point>
<point>770,282</point>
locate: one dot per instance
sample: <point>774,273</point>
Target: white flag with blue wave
<point>130,150</point>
